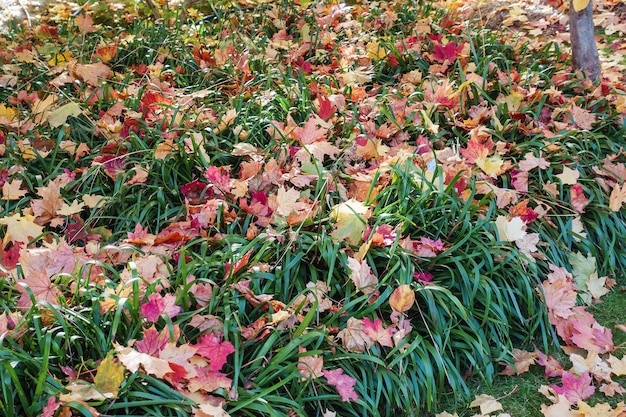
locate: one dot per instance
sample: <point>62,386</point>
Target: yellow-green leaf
<point>109,377</point>
<point>580,5</point>
<point>60,115</point>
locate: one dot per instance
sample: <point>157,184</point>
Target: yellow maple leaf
<point>491,165</point>
<point>109,377</point>
<point>21,228</point>
<point>350,220</point>
<point>8,113</point>
<point>580,5</point>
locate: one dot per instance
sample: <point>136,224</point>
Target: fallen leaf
<point>580,5</point>
<point>569,176</point>
<point>343,383</point>
<point>362,276</point>
<point>354,337</point>
<point>377,332</point>
<point>617,197</point>
<point>109,377</point>
<point>402,298</point>
<point>350,220</point>
<point>134,360</point>
<point>510,230</point>
<point>20,228</point>
<point>575,388</point>
<point>487,403</point>
<point>11,190</point>
<point>59,116</point>
<point>522,360</point>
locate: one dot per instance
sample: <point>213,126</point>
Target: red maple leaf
<point>449,51</point>
<point>326,108</point>
<point>212,348</point>
<point>343,383</point>
<point>153,341</point>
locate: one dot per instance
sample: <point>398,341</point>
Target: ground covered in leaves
<point>312,209</point>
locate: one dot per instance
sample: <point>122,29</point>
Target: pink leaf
<point>575,389</point>
<point>215,350</point>
<point>343,383</point>
<point>51,407</point>
<point>377,332</point>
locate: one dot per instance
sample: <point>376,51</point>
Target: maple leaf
<point>593,364</point>
<point>287,201</point>
<point>490,165</point>
<point>559,294</point>
<point>575,388</point>
<point>592,336</point>
<point>510,230</point>
<point>362,276</point>
<point>552,367</point>
<point>313,131</point>
<point>616,199</point>
<point>354,337</point>
<point>209,380</point>
<point>134,360</point>
<point>487,403</point>
<point>158,305</point>
<point>582,118</point>
<point>597,286</point>
<point>179,358</point>
<point>20,228</point>
<point>377,333</point>
<point>89,73</point>
<point>45,209</point>
<point>69,210</point>
<point>212,348</point>
<point>153,341</point>
<point>569,176</point>
<point>577,198</point>
<point>350,220</point>
<point>600,410</point>
<point>343,383</point>
<point>561,408</point>
<point>84,22</point>
<point>12,190</point>
<point>59,116</point>
<point>49,410</point>
<point>109,377</point>
<point>319,150</point>
<point>618,366</point>
<point>310,367</point>
<point>530,161</point>
<point>41,287</point>
<point>611,389</point>
<point>522,361</point>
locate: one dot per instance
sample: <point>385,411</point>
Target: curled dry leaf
<point>402,298</point>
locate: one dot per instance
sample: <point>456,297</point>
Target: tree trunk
<point>584,49</point>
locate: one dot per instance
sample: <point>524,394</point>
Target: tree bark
<point>584,49</point>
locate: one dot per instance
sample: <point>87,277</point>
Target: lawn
<point>311,209</point>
